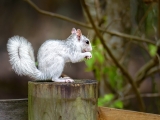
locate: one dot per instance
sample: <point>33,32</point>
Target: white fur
<point>52,56</point>
<point>22,57</point>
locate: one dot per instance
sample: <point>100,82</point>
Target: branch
<point>131,97</point>
<point>136,30</point>
<point>138,39</point>
<point>130,37</point>
<point>141,74</point>
<point>129,78</point>
<point>144,72</point>
<point>143,18</point>
<point>152,71</point>
<point>142,95</point>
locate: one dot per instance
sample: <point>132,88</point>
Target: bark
<point>63,101</point>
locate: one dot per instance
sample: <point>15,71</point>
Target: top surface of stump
<point>64,83</point>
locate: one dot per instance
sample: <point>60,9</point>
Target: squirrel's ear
<point>73,30</point>
<point>79,33</point>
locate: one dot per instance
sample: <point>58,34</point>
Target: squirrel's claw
<point>88,57</point>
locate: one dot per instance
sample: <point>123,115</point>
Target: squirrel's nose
<point>90,49</point>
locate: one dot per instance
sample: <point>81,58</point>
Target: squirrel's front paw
<point>66,79</point>
<point>88,55</point>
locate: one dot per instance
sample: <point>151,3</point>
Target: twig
<point>143,18</point>
<point>142,95</point>
<point>129,36</point>
<point>152,71</point>
<point>57,15</point>
<point>110,24</point>
<point>133,96</point>
<point>143,71</point>
<point>136,30</point>
<point>129,78</point>
<point>138,39</point>
<point>96,3</point>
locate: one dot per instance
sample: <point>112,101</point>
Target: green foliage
<point>108,98</point>
<point>152,50</point>
<point>103,100</point>
<point>114,77</point>
<point>118,104</point>
<point>103,70</point>
<point>97,61</point>
<point>101,67</point>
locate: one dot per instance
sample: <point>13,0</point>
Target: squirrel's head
<point>84,42</point>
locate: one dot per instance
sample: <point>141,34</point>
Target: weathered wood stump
<point>14,109</point>
<point>63,101</point>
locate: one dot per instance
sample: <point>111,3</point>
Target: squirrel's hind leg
<point>65,79</point>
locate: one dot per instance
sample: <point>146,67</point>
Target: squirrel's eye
<point>87,42</point>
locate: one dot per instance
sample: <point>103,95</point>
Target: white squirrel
<point>52,56</point>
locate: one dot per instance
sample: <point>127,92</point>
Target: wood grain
<point>63,101</point>
<point>105,113</point>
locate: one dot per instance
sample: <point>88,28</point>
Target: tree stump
<point>62,101</point>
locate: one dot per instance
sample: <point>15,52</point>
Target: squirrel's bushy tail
<point>22,57</point>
